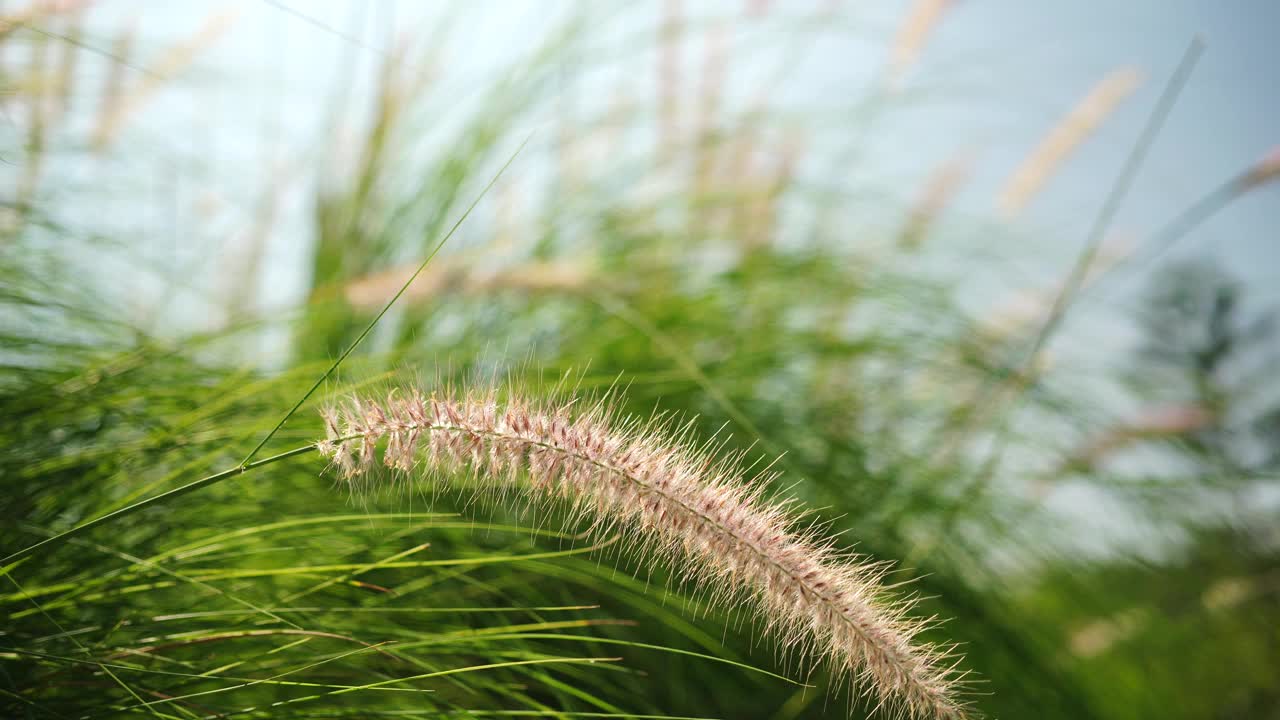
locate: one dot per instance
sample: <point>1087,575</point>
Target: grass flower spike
<point>699,513</point>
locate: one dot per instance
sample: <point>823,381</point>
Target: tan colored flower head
<point>694,511</point>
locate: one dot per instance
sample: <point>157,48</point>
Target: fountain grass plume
<point>699,513</point>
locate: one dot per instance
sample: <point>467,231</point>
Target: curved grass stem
<point>206,481</point>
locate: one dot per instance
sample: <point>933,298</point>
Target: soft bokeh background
<point>856,236</point>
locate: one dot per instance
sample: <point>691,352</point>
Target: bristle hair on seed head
<point>691,508</point>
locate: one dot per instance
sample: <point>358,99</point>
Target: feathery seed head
<point>693,510</point>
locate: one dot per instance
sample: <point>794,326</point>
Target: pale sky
<point>995,75</point>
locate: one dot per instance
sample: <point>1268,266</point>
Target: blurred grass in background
<point>674,245</point>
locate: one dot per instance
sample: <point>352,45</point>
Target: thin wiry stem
<point>62,537</point>
<point>997,398</point>
<point>688,508</point>
<point>1116,197</point>
<point>385,308</point>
